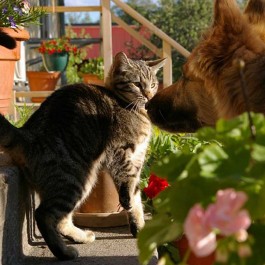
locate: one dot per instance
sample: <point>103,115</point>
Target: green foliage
<point>19,13</point>
<point>76,58</point>
<point>184,21</point>
<point>222,157</point>
<point>161,144</point>
<point>92,66</point>
<point>72,75</point>
<point>23,113</point>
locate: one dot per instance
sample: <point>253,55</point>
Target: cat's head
<point>133,81</point>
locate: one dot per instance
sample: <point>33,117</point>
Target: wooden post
<point>167,71</point>
<point>106,32</point>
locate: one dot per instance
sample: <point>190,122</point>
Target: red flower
<point>155,186</point>
<point>57,45</point>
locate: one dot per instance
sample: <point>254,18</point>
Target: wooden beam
<point>152,27</point>
<point>61,9</point>
<point>137,36</point>
<point>29,94</point>
<point>106,32</point>
<point>167,70</point>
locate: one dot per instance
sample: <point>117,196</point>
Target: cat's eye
<point>138,84</point>
<point>153,85</point>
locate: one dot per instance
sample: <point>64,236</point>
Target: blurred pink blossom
<point>226,214</point>
<point>201,239</point>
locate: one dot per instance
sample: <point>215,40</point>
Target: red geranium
<point>155,186</point>
<point>58,45</point>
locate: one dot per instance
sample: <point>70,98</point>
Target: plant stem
<point>186,257</point>
<point>241,65</point>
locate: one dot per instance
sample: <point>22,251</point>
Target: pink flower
<point>200,236</point>
<point>226,214</point>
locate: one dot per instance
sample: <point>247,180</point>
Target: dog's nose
<point>146,105</point>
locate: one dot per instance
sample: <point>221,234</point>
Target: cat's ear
<point>121,61</point>
<point>157,64</point>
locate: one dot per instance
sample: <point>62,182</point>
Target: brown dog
<point>210,87</point>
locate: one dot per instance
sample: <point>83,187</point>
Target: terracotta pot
<point>182,245</point>
<point>42,81</point>
<point>8,59</point>
<point>92,79</point>
<point>102,207</point>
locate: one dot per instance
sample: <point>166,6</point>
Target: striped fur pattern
<point>76,132</point>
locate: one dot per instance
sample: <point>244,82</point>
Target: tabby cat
<point>77,131</point>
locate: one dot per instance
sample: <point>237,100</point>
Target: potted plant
<point>14,16</point>
<point>55,54</point>
<point>92,71</point>
<point>42,80</point>
<point>214,201</point>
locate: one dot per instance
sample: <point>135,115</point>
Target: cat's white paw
<point>90,236</point>
<point>83,236</point>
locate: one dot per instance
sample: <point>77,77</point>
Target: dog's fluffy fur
<point>210,87</point>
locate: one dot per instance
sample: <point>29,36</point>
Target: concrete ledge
<point>12,210</point>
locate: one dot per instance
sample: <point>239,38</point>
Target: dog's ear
<point>255,11</point>
<point>226,12</point>
<point>230,37</point>
<point>255,14</point>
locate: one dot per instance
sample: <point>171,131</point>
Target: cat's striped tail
<point>12,139</point>
<point>7,41</point>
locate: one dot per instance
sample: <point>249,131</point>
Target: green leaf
<point>211,159</point>
<point>258,152</point>
<point>224,162</point>
<point>172,166</point>
<point>257,231</point>
<point>158,231</point>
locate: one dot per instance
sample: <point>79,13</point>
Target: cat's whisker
<point>129,105</point>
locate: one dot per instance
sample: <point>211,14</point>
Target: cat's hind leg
<point>69,230</point>
<point>47,219</point>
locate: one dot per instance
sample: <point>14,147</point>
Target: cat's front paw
<point>84,237</point>
<point>134,229</point>
<point>135,226</point>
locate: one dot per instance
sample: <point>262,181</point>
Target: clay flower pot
<point>102,207</point>
<point>8,59</point>
<point>42,81</point>
<point>92,79</point>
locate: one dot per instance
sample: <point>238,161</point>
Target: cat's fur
<point>76,132</point>
<point>7,41</point>
<point>210,87</point>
